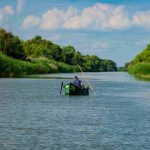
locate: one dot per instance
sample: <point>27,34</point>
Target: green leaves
<point>12,67</point>
<point>141,63</point>
<point>54,57</point>
<point>95,64</point>
<point>11,45</point>
<point>140,69</point>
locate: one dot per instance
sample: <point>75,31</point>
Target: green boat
<point>71,89</point>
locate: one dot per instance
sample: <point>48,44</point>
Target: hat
<point>75,77</point>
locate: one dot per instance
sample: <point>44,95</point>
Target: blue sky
<point>112,29</point>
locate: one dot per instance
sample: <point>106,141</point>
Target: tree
<point>54,52</point>
<point>92,63</point>
<point>78,59</point>
<point>68,54</point>
<point>109,65</point>
<point>11,45</point>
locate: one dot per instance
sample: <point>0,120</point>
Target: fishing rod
<point>94,93</point>
<point>61,87</point>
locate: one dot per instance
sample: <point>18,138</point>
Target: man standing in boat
<point>77,82</point>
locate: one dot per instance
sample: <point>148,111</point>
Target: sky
<point>111,29</point>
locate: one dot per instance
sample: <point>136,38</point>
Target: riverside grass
<point>141,70</point>
<point>10,67</point>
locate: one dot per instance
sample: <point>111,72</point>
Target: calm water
<point>33,116</point>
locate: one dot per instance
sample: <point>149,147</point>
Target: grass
<point>55,66</point>
<point>10,67</point>
<point>141,70</point>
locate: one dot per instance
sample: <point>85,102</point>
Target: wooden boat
<point>71,89</point>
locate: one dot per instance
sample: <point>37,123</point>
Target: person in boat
<point>77,82</point>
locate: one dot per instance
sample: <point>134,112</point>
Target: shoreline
<point>143,77</point>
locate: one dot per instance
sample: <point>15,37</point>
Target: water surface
<point>34,116</point>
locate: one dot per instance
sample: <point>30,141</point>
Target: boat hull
<point>71,89</point>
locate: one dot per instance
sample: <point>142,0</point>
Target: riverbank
<point>40,56</point>
<point>11,67</point>
<point>140,70</point>
<point>140,65</point>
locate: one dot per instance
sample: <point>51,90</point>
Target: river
<point>34,116</point>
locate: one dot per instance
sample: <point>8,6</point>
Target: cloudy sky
<point>113,29</point>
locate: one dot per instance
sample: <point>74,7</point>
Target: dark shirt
<point>77,83</point>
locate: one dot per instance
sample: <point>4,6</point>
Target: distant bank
<point>40,56</point>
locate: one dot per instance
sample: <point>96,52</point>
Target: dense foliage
<point>39,51</point>
<point>140,65</point>
<point>40,47</point>
<point>11,45</point>
<point>13,67</point>
<point>10,67</point>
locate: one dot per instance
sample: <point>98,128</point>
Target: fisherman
<point>77,82</point>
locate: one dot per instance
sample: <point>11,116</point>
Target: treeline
<point>16,53</point>
<point>37,47</point>
<point>140,66</point>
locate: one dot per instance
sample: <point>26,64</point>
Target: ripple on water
<point>34,116</point>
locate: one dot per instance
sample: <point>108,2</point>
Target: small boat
<point>71,89</point>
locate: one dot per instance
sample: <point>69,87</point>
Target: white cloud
<point>5,12</point>
<point>31,21</point>
<point>99,17</point>
<point>20,5</point>
<point>142,19</point>
<point>8,10</point>
<point>55,18</point>
<point>52,19</point>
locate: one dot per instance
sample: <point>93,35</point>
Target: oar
<point>61,87</point>
<point>90,86</point>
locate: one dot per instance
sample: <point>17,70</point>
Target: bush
<point>11,67</point>
<point>140,69</point>
<point>62,67</point>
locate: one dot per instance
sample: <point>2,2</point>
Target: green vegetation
<point>140,66</point>
<point>11,45</point>
<point>11,67</point>
<point>122,69</point>
<point>39,55</point>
